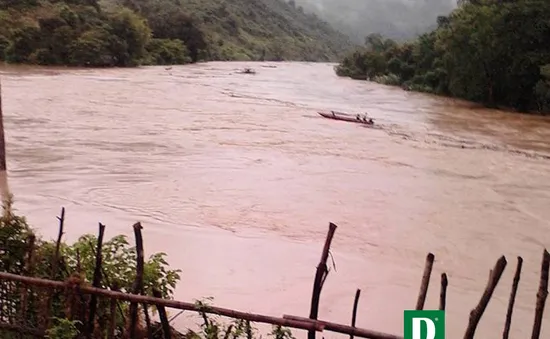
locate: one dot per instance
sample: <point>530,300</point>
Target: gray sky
<point>397,19</point>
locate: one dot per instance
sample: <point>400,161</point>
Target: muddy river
<point>237,177</point>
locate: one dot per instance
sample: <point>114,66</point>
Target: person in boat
<point>358,117</point>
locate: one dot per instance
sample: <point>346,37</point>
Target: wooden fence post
<point>443,293</point>
<point>320,277</point>
<point>138,282</point>
<point>541,295</point>
<point>425,281</point>
<point>96,280</point>
<point>512,300</point>
<point>167,332</point>
<point>476,313</point>
<point>354,312</point>
<point>3,166</point>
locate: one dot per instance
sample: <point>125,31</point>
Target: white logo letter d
<point>416,328</point>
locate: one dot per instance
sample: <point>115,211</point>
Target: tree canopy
<point>496,52</point>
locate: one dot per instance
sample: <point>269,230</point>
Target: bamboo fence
<point>84,295</point>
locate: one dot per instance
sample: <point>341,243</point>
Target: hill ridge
<point>133,32</point>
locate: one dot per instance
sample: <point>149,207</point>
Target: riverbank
<point>461,57</point>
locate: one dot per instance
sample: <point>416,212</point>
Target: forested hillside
<point>133,32</point>
<point>490,51</point>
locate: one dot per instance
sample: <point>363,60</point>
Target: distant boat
<point>248,71</point>
<point>358,118</point>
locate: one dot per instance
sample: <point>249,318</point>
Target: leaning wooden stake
<point>425,281</point>
<point>112,313</point>
<point>541,295</point>
<point>167,333</point>
<point>105,277</point>
<point>96,280</point>
<point>58,243</point>
<point>54,271</point>
<point>320,276</point>
<point>512,300</point>
<point>443,294</point>
<point>354,314</point>
<point>4,189</point>
<point>476,313</point>
<point>138,282</point>
<point>3,166</point>
<point>147,318</point>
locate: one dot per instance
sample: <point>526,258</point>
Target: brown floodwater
<point>236,178</point>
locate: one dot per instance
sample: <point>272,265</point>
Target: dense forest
<point>396,19</point>
<point>495,52</point>
<point>135,32</point>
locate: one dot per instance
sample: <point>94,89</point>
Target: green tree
<point>131,35</point>
<point>92,48</point>
<point>486,51</point>
<point>167,52</point>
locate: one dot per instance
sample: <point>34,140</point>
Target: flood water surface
<point>236,177</point>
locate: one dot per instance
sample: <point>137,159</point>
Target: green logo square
<point>424,324</point>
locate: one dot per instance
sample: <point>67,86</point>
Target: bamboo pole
<point>228,332</point>
<point>105,277</point>
<point>147,318</point>
<point>443,293</point>
<point>320,276</point>
<point>38,282</point>
<point>425,281</point>
<point>138,282</point>
<point>354,312</point>
<point>541,295</point>
<point>112,314</point>
<point>512,300</point>
<point>96,280</point>
<point>58,243</point>
<point>55,264</point>
<point>248,329</point>
<point>4,189</point>
<point>345,329</point>
<point>167,332</point>
<point>3,166</point>
<point>476,313</point>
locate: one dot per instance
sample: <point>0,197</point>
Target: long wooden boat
<point>345,117</point>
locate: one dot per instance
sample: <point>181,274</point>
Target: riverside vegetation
<point>488,51</point>
<point>77,261</point>
<point>123,33</point>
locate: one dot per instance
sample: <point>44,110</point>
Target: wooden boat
<point>345,117</point>
<point>248,71</point>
